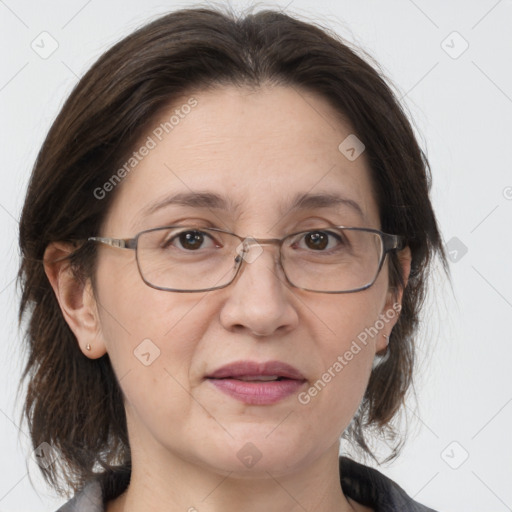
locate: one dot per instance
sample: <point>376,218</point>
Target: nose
<point>259,300</point>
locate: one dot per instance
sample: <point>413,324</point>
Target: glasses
<point>185,258</point>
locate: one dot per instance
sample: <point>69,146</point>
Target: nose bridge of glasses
<point>243,250</point>
<point>245,245</point>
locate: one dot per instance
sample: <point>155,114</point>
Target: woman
<point>225,245</point>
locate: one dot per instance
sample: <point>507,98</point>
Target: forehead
<point>253,154</point>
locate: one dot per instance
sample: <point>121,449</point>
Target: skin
<point>259,147</point>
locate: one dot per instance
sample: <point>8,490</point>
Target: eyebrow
<point>214,201</point>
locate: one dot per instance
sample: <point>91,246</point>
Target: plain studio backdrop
<point>451,64</point>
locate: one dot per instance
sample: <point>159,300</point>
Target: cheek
<point>152,359</point>
<point>347,320</point>
<point>346,345</point>
<point>150,335</point>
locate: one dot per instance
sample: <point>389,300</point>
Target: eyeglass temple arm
<point>121,243</point>
<point>393,242</point>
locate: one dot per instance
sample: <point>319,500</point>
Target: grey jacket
<point>363,484</point>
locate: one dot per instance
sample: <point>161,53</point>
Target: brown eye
<point>190,240</point>
<point>316,240</point>
<point>320,240</point>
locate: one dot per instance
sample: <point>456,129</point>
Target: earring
<point>88,346</point>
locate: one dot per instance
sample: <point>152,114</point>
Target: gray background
<point>459,455</point>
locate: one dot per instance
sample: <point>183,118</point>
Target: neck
<point>172,484</point>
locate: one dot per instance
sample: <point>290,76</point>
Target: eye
<point>190,240</point>
<point>320,240</point>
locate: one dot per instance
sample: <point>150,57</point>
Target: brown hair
<point>74,403</point>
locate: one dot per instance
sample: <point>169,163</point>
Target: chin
<point>255,456</point>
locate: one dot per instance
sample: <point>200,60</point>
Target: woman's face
<point>257,150</point>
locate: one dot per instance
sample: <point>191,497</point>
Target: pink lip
<point>247,368</point>
<point>227,380</point>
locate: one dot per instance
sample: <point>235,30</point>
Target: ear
<point>76,299</point>
<point>391,311</point>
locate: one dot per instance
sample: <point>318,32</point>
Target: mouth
<point>257,383</point>
<point>252,370</point>
<point>259,378</point>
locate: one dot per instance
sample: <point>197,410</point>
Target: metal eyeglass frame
<point>389,243</point>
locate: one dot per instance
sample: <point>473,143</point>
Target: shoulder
<point>89,499</point>
<point>370,487</point>
<point>105,487</point>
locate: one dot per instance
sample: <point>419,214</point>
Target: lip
<point>250,368</point>
<point>226,379</point>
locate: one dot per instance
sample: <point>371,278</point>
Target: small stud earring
<point>88,346</point>
<point>386,336</point>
